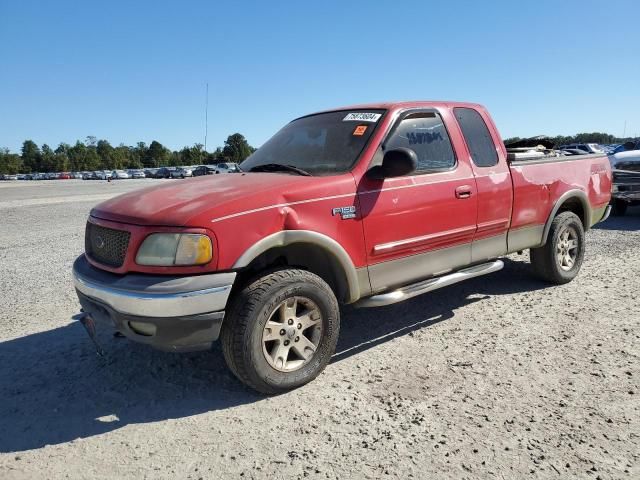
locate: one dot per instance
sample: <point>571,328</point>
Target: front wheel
<point>281,330</point>
<point>560,259</point>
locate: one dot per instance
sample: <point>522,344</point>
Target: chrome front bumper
<point>154,296</point>
<point>166,312</point>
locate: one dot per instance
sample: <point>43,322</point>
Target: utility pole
<point>206,118</point>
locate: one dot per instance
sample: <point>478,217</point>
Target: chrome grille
<point>106,245</point>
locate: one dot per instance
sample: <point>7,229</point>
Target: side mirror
<point>395,163</point>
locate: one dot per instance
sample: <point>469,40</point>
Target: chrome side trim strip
<point>424,238</point>
<point>429,285</point>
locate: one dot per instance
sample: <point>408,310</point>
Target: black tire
<point>250,309</point>
<point>545,260</point>
<point>618,208</point>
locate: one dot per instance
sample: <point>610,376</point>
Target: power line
<point>206,118</point>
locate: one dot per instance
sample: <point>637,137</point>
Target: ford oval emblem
<point>99,243</point>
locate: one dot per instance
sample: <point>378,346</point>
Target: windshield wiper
<point>276,167</point>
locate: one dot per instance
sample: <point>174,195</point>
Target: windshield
<point>322,144</point>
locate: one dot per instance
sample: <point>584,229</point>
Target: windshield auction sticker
<point>362,117</point>
<point>359,131</point>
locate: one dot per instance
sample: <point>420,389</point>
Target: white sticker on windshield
<point>362,117</point>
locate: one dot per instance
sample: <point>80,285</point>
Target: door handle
<point>463,192</point>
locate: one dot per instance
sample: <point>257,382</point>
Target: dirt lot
<point>499,377</point>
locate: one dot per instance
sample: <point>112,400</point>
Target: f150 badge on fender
<point>345,212</point>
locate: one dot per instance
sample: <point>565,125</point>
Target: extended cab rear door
<point>483,149</point>
<point>421,224</point>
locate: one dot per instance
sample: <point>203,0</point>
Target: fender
<point>580,195</point>
<point>288,237</point>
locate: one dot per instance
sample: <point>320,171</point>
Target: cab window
<point>425,134</point>
<point>476,134</point>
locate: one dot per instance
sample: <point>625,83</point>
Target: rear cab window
<point>477,136</point>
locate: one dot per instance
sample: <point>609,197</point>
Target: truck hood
<point>195,202</point>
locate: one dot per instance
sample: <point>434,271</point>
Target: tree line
<point>94,154</point>
<point>594,137</point>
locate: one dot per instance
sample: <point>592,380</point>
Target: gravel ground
<point>499,377</point>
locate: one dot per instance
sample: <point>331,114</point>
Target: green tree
<point>10,163</point>
<point>48,163</point>
<point>31,156</point>
<point>106,154</point>
<point>236,148</point>
<point>157,155</point>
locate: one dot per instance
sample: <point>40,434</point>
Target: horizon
<point>132,73</point>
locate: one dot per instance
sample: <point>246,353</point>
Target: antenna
<point>624,132</point>
<point>206,118</point>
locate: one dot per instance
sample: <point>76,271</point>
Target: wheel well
<point>574,204</point>
<point>305,256</point>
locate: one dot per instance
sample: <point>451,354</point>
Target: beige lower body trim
<point>396,273</point>
<point>489,248</point>
<point>597,214</point>
<point>364,286</point>
<point>525,237</point>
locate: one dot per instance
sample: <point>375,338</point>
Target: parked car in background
<point>136,173</point>
<point>119,175</point>
<point>626,180</point>
<point>204,170</point>
<point>585,147</point>
<point>181,172</point>
<point>64,176</point>
<point>626,147</point>
<point>150,172</point>
<point>9,177</point>
<point>165,172</point>
<point>626,191</point>
<point>572,151</point>
<point>227,168</point>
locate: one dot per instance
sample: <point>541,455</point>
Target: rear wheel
<point>619,208</point>
<point>281,330</point>
<point>560,259</point>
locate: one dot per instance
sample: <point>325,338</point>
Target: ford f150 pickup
<point>367,205</point>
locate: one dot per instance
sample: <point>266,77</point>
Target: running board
<point>425,286</point>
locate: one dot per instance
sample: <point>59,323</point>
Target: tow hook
<point>90,326</point>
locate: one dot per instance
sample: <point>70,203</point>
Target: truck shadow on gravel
<point>55,389</point>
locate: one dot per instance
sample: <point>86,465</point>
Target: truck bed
<point>539,183</point>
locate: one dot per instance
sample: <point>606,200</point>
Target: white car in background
<point>227,168</point>
<point>181,172</point>
<point>136,174</point>
<point>119,175</point>
<point>586,147</point>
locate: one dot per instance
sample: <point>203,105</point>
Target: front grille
<point>106,245</point>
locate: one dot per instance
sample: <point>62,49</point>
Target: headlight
<point>168,249</point>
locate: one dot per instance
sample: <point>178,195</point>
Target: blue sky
<point>136,71</point>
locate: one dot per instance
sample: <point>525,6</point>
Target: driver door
<point>419,225</point>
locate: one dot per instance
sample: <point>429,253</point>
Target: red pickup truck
<point>367,205</point>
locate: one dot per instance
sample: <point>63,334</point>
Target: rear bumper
<point>169,313</point>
